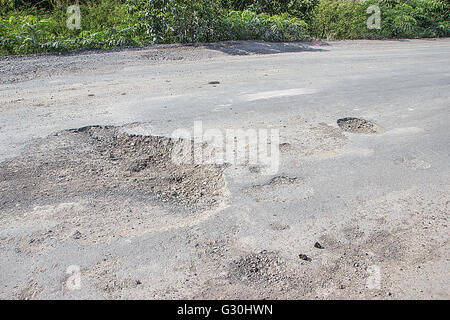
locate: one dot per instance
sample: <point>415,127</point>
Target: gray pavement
<point>377,202</point>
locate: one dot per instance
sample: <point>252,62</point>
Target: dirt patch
<point>103,276</point>
<point>100,182</point>
<point>357,125</point>
<point>277,226</point>
<point>281,188</point>
<point>276,181</point>
<point>255,268</point>
<point>361,258</point>
<point>255,169</point>
<point>31,291</point>
<point>286,147</point>
<point>321,140</point>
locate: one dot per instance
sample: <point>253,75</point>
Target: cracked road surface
<point>92,205</point>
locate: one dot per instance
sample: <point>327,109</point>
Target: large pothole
<point>102,183</point>
<point>358,125</point>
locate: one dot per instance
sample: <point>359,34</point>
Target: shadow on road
<point>240,48</point>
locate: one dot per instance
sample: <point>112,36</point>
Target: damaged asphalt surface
<point>358,208</point>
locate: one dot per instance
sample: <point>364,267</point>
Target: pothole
<point>118,184</point>
<point>257,268</point>
<point>358,125</point>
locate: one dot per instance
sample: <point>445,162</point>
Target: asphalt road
<point>102,212</point>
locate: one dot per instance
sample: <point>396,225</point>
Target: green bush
<point>206,21</point>
<point>40,26</point>
<point>248,25</point>
<point>339,19</point>
<point>415,19</point>
<point>111,24</point>
<point>178,20</point>
<point>298,8</point>
<point>105,24</point>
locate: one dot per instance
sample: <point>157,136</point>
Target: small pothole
<point>358,125</point>
<point>256,268</point>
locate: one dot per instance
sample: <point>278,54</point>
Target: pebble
<point>303,256</point>
<point>318,245</point>
<point>76,235</point>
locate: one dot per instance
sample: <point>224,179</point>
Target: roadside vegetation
<point>41,25</point>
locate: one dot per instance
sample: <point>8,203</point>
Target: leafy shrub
<point>178,20</point>
<point>339,19</point>
<point>22,34</point>
<point>110,24</point>
<point>40,25</point>
<point>206,21</point>
<point>104,25</point>
<point>298,8</point>
<point>415,18</point>
<point>248,25</point>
